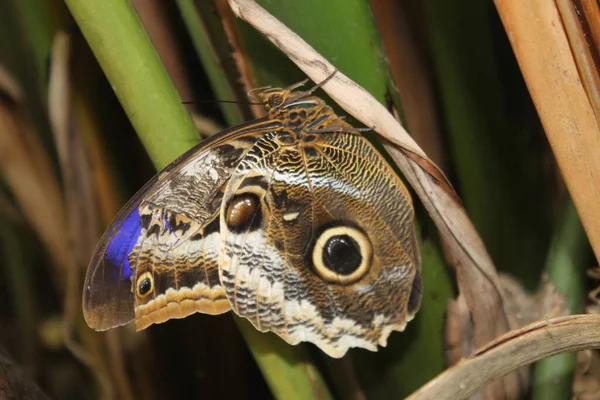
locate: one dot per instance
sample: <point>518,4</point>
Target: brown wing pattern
<point>329,253</point>
<point>295,222</point>
<point>159,258</point>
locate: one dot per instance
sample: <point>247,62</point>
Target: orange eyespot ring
<point>145,284</point>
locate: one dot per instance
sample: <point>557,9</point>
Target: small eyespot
<point>342,254</point>
<point>243,212</point>
<point>145,284</point>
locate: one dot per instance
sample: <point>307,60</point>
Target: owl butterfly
<point>294,221</point>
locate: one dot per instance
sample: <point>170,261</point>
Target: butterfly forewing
<point>158,258</point>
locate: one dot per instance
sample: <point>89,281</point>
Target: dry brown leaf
<point>458,330</point>
<point>586,385</point>
<point>29,174</point>
<point>525,308</point>
<point>9,86</point>
<point>239,55</point>
<point>546,303</point>
<point>544,54</point>
<point>577,35</point>
<point>83,225</point>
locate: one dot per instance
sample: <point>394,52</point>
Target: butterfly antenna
<point>296,85</point>
<point>323,82</point>
<point>220,101</point>
<point>301,95</point>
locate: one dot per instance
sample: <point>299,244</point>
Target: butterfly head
<point>299,109</point>
<point>276,99</point>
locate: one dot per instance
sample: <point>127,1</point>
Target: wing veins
<point>387,225</point>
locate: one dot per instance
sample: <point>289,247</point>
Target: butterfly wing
<point>318,242</point>
<point>159,258</point>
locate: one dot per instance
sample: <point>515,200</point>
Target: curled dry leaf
<point>586,385</point>
<point>594,295</point>
<point>459,330</point>
<point>477,279</point>
<point>523,307</point>
<point>526,308</point>
<point>510,351</point>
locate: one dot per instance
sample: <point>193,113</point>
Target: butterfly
<point>294,221</point>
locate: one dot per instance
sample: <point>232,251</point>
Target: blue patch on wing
<point>117,252</point>
<point>167,225</point>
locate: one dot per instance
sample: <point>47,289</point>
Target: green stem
<point>288,370</point>
<point>498,170</point>
<point>565,266</point>
<point>140,81</point>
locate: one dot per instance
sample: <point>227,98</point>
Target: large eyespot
<point>145,284</point>
<point>342,254</point>
<point>243,212</point>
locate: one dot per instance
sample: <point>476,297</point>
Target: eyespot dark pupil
<point>145,286</point>
<point>342,255</point>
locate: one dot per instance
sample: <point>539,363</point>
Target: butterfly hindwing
<point>159,258</point>
<point>318,242</point>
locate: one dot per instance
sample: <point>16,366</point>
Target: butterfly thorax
<point>301,112</point>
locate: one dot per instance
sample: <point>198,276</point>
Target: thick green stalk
<point>131,64</point>
<point>491,128</point>
<point>148,96</point>
<point>288,370</point>
<point>553,377</point>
